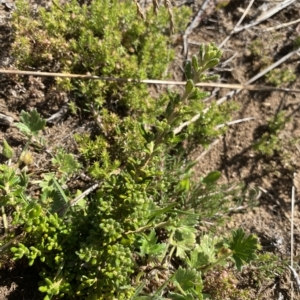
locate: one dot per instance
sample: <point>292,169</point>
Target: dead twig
<point>216,141</point>
<point>266,15</point>
<point>58,115</point>
<point>296,277</point>
<point>292,239</point>
<point>235,86</point>
<point>235,122</point>
<point>61,211</point>
<point>282,25</point>
<point>195,23</point>
<point>237,25</point>
<point>6,120</point>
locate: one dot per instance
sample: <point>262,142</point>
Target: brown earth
<point>272,176</point>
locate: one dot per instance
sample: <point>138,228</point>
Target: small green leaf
<point>7,151</point>
<point>184,239</point>
<point>66,162</point>
<point>178,138</point>
<point>43,289</point>
<point>202,52</point>
<point>150,147</point>
<point>212,63</point>
<point>150,246</point>
<point>243,247</point>
<point>189,86</point>
<point>184,184</point>
<point>23,128</point>
<point>187,279</point>
<point>32,123</point>
<point>204,253</point>
<point>188,70</point>
<point>195,63</point>
<point>212,177</point>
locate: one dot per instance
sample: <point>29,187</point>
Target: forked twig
<point>266,15</point>
<point>237,25</point>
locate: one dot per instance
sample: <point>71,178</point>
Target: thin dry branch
<point>195,23</point>
<point>235,122</point>
<point>216,141</point>
<point>292,235</point>
<point>296,277</point>
<point>237,25</point>
<point>282,25</point>
<point>266,15</point>
<point>150,81</point>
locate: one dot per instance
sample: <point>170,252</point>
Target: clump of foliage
<point>136,237</point>
<point>222,283</point>
<point>105,38</point>
<point>270,141</point>
<point>264,266</point>
<point>259,50</point>
<point>278,76</point>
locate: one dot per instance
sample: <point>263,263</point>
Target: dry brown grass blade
<point>139,10</point>
<point>282,25</point>
<point>151,81</point>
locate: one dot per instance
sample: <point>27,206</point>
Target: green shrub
<point>271,141</point>
<point>102,247</point>
<point>106,38</point>
<point>147,203</point>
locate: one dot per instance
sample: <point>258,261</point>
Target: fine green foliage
<point>140,221</point>
<point>279,76</point>
<point>105,38</point>
<point>106,246</point>
<point>270,141</point>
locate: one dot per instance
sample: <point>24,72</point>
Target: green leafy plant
<point>279,76</point>
<point>270,140</point>
<point>104,38</point>
<point>143,217</point>
<point>137,235</point>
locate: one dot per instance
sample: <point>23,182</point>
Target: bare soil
<point>273,176</point>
